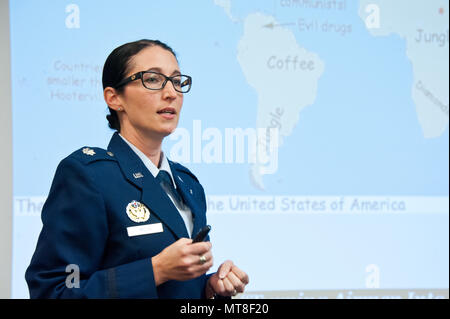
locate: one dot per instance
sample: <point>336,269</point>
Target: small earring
<point>119,109</point>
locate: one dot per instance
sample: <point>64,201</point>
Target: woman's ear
<point>112,98</point>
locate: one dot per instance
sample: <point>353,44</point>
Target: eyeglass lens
<point>155,81</point>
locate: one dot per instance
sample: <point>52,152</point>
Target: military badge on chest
<point>137,212</point>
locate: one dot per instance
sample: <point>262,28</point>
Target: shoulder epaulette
<point>183,169</point>
<point>91,154</point>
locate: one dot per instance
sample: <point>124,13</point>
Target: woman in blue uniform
<point>118,223</point>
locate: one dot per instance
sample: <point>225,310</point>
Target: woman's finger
<point>219,287</point>
<point>225,268</point>
<point>236,282</point>
<point>240,274</point>
<point>199,248</point>
<point>204,261</point>
<point>229,288</point>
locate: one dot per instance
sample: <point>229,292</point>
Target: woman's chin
<point>159,132</point>
<point>166,131</point>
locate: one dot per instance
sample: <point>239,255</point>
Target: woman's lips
<point>168,113</point>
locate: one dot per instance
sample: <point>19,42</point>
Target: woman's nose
<point>169,91</point>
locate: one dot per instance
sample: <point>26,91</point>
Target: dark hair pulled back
<point>117,66</point>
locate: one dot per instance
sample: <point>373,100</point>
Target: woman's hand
<point>182,260</point>
<point>227,281</point>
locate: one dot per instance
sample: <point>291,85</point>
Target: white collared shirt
<point>185,212</point>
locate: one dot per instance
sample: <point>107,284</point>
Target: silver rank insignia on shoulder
<point>137,212</point>
<point>138,175</point>
<point>88,151</point>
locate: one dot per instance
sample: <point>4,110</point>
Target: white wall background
<point>6,154</point>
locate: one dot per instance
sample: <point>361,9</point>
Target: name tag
<point>144,229</point>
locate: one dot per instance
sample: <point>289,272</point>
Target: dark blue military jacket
<point>85,224</point>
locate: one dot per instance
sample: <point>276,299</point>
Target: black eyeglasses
<point>157,81</point>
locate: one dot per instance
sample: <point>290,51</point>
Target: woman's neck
<point>150,146</point>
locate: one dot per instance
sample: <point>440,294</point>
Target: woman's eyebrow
<point>156,69</point>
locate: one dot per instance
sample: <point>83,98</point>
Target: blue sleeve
<point>75,232</point>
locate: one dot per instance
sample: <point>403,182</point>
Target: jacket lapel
<point>186,192</point>
<point>153,195</point>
